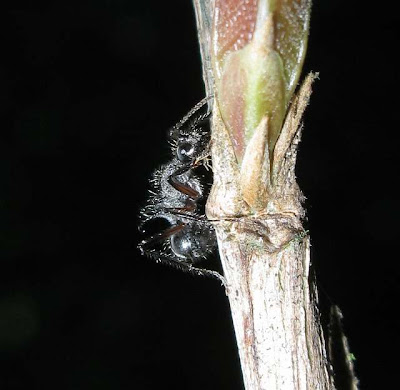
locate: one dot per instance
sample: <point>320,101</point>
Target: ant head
<point>190,141</point>
<point>190,136</point>
<point>186,151</point>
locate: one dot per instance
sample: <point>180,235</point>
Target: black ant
<point>176,196</point>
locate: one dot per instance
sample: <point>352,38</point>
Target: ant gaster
<point>176,195</point>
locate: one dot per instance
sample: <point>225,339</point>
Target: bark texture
<point>266,262</point>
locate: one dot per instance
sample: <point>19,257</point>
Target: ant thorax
<point>178,195</point>
<point>168,196</point>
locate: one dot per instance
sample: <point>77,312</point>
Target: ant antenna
<point>196,108</point>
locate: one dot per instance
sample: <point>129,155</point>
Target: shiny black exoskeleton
<point>178,196</point>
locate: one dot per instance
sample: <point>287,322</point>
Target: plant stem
<point>255,206</point>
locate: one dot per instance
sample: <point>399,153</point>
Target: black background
<point>87,91</point>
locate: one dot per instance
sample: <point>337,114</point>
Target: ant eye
<point>185,152</point>
<point>182,245</point>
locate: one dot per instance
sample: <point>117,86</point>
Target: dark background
<point>87,91</point>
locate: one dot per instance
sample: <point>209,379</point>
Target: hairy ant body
<point>176,196</point>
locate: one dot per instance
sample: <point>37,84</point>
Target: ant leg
<point>167,258</point>
<point>190,206</point>
<point>158,237</point>
<point>181,187</point>
<point>207,272</point>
